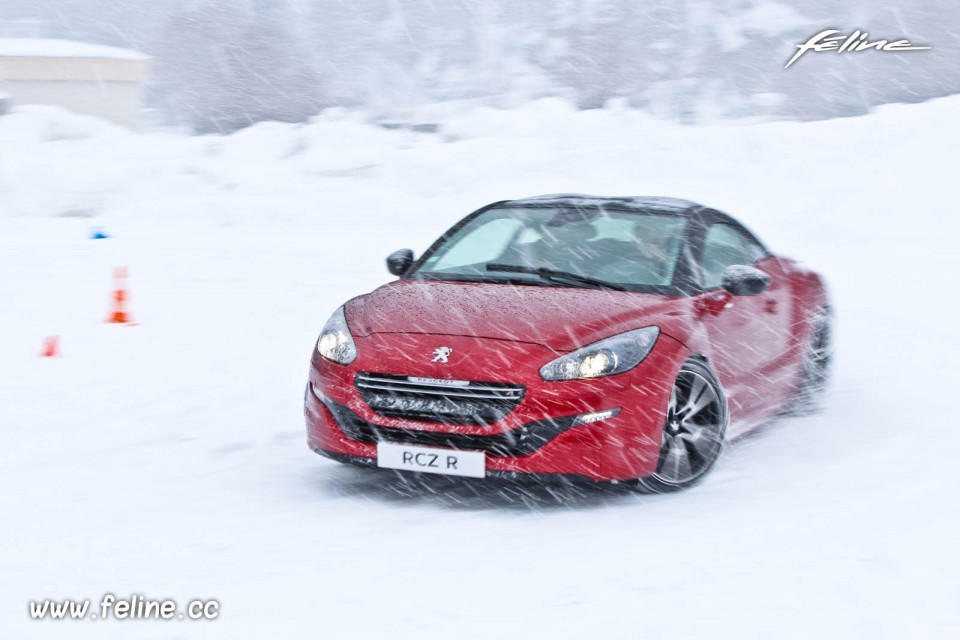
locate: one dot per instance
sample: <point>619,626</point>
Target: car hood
<point>559,318</point>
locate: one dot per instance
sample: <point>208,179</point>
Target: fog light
<point>596,416</point>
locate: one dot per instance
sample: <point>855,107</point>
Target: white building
<point>86,78</point>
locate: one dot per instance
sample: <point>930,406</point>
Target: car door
<point>745,332</point>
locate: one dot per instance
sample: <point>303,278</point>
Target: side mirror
<point>399,261</point>
<point>741,280</point>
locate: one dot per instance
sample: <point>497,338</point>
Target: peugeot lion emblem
<point>440,354</point>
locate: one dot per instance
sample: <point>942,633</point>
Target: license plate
<point>448,462</point>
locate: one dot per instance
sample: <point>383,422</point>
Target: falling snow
<point>167,458</point>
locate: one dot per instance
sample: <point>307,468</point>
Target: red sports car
<point>609,338</point>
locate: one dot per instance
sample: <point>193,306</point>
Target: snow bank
<point>167,459</point>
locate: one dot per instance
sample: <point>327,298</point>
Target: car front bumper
<point>541,435</point>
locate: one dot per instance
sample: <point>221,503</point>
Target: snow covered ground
<point>168,458</point>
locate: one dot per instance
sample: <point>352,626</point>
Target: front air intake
<point>431,400</point>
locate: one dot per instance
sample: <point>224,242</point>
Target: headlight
<point>607,357</point>
<point>335,342</point>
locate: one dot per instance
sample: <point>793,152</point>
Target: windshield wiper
<point>554,275</point>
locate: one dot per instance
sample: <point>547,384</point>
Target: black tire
<point>694,431</point>
<point>817,363</point>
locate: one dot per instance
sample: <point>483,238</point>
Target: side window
<point>723,246</point>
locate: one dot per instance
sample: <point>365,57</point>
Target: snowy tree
<point>223,67</point>
<point>221,64</point>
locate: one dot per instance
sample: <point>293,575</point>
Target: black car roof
<point>638,203</point>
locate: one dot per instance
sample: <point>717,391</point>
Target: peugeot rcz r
<point>616,339</point>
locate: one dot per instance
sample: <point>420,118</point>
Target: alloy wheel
<point>694,430</point>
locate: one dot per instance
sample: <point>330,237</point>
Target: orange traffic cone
<point>120,315</point>
<point>51,347</point>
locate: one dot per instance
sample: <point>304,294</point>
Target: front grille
<point>443,401</point>
<point>521,441</point>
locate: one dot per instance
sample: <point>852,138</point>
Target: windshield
<point>630,249</point>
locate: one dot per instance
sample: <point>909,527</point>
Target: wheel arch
<point>698,364</point>
<point>810,294</point>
